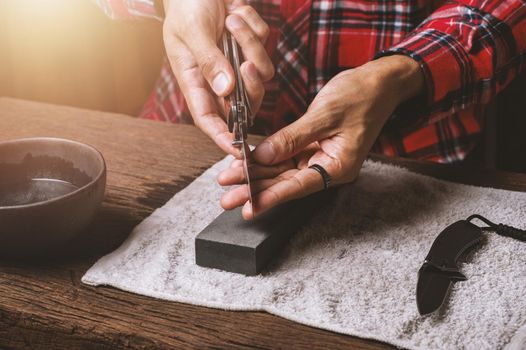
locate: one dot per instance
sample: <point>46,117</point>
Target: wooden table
<point>43,305</point>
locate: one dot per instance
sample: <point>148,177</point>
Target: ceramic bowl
<point>50,190</point>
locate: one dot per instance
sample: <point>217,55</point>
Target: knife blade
<point>246,168</point>
<point>440,268</point>
<point>238,108</point>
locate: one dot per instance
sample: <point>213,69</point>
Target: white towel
<point>352,269</point>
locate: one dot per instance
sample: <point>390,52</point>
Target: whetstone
<point>233,244</point>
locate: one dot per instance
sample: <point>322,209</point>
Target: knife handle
<point>237,105</point>
<point>451,243</point>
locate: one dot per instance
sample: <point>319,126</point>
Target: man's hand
<point>191,32</point>
<point>337,132</point>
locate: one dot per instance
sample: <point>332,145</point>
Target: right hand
<point>191,32</point>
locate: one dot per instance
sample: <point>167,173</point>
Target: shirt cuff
<point>445,64</point>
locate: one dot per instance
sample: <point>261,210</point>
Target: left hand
<point>337,132</point>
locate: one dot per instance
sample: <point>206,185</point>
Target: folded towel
<point>352,269</point>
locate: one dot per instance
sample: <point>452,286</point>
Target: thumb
<point>292,139</point>
<point>214,66</point>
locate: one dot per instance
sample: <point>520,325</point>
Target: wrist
<point>401,75</point>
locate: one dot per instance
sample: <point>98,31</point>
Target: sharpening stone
<point>233,244</point>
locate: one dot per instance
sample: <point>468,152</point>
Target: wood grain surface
<point>43,305</point>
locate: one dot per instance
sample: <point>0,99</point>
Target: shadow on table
<point>115,222</point>
<point>111,226</point>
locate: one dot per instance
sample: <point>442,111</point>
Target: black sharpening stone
<point>233,244</point>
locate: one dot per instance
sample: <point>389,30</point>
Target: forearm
<point>400,74</point>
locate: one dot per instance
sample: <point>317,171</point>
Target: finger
<point>251,45</point>
<point>300,184</point>
<point>236,163</point>
<point>231,176</point>
<point>303,158</point>
<point>238,196</point>
<point>253,85</point>
<point>199,99</point>
<point>315,125</point>
<point>234,198</point>
<point>254,20</point>
<point>215,128</point>
<point>236,176</point>
<point>212,62</point>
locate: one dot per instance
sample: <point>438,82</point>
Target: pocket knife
<point>237,106</point>
<point>440,268</point>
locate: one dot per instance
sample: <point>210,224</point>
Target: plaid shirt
<point>468,50</point>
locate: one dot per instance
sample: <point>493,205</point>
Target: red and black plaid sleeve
<point>469,50</point>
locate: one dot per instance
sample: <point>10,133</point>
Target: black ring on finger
<point>324,175</point>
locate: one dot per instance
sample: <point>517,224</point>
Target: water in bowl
<point>33,191</point>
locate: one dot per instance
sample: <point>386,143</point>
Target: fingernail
<point>220,83</point>
<point>265,153</point>
<point>221,178</point>
<point>248,211</point>
<point>234,22</point>
<point>252,72</point>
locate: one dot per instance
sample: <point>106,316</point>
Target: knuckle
<point>207,64</point>
<point>267,72</point>
<point>176,61</point>
<point>264,31</point>
<point>251,16</point>
<point>246,11</point>
<point>299,185</point>
<point>250,39</point>
<point>275,195</point>
<point>287,141</point>
<point>198,122</point>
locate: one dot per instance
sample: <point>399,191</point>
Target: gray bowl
<point>50,190</point>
